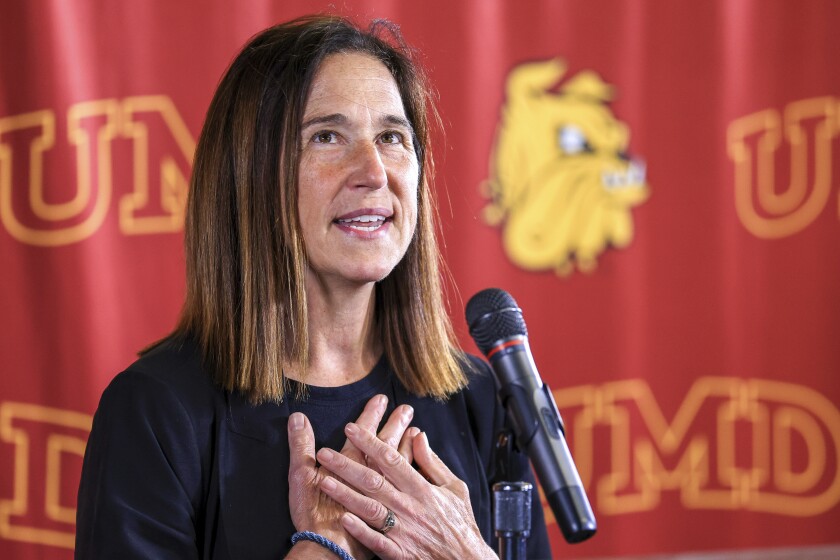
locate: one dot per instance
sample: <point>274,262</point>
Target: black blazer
<point>175,467</point>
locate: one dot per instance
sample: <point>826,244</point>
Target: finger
<point>301,450</point>
<point>364,479</point>
<point>372,415</point>
<point>394,429</point>
<point>370,511</point>
<point>406,444</point>
<point>386,460</point>
<point>376,542</point>
<point>369,420</point>
<point>429,463</point>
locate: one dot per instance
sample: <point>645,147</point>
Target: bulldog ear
<point>534,78</point>
<point>589,86</point>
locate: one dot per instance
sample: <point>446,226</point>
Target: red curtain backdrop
<point>661,200</point>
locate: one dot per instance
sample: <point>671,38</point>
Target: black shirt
<point>178,468</point>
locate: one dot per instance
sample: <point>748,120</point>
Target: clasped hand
<point>348,498</point>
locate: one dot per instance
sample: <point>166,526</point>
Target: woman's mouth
<point>365,222</point>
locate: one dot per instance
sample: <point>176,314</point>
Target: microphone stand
<point>511,507</point>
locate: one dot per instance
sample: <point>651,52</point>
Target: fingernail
<point>426,443</point>
<point>381,401</point>
<point>296,421</point>
<point>409,411</point>
<point>328,483</point>
<point>326,454</point>
<point>351,429</point>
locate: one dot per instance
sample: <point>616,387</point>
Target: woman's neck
<point>343,343</point>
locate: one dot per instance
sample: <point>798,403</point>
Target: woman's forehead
<point>353,82</point>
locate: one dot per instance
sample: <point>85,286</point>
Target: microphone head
<point>493,315</point>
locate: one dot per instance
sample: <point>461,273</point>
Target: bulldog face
<point>561,184</point>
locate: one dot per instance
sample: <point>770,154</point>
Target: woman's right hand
<point>310,509</point>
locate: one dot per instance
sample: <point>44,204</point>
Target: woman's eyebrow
<point>396,120</point>
<point>339,118</point>
<point>334,118</point>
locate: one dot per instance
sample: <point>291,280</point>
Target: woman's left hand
<point>434,518</point>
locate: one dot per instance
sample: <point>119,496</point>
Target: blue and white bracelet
<point>323,541</point>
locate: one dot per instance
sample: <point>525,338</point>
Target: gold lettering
<point>823,424</point>
<point>710,425</point>
<point>743,406</point>
<point>54,432</point>
<point>91,128</point>
<point>53,224</point>
<point>787,420</point>
<point>172,178</point>
<point>763,210</point>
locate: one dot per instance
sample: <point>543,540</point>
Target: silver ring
<point>390,521</point>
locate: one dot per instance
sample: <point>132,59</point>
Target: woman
<point>313,311</point>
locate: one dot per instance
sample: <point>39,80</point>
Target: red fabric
<point>707,345</point>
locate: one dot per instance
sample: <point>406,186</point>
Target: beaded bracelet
<point>323,541</point>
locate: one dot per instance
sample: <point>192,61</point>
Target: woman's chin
<point>370,276</point>
<point>354,277</point>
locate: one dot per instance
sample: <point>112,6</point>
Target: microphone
<point>499,331</point>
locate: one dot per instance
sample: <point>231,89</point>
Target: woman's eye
<point>325,137</point>
<point>391,137</point>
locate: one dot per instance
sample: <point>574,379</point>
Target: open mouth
<point>364,223</point>
<point>633,176</point>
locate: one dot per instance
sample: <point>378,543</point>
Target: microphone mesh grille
<point>494,315</point>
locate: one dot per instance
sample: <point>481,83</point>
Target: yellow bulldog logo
<point>561,182</point>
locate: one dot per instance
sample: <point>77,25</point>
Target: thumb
<point>301,450</point>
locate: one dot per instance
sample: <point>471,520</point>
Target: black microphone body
<point>499,331</point>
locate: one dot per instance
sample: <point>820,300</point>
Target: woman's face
<point>357,188</point>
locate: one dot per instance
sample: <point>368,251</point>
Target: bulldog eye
<point>573,141</point>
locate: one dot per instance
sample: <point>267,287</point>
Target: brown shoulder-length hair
<point>245,255</point>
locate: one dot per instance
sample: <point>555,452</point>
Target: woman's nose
<point>368,167</point>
